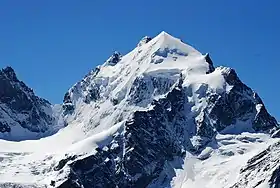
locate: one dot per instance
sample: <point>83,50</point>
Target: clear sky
<point>53,43</point>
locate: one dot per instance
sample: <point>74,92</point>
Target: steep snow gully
<point>159,116</point>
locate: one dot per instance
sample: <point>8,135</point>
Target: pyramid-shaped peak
<point>165,40</point>
<point>160,37</point>
<point>165,35</point>
<point>9,72</point>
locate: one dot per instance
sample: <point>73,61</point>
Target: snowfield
<point>221,167</point>
<point>29,162</point>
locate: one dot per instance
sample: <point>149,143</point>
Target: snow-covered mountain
<point>22,114</point>
<point>159,116</point>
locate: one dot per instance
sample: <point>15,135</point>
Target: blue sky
<point>53,44</point>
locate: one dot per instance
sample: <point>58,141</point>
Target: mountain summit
<point>146,119</point>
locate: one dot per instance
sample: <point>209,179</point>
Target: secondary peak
<point>144,40</point>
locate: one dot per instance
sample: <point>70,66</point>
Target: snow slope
<point>159,116</point>
<point>221,166</point>
<point>163,58</point>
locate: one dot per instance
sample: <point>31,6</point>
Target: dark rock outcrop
<point>144,40</point>
<point>114,59</point>
<point>210,62</point>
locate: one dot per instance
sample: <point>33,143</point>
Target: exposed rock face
<point>238,104</point>
<point>114,59</point>
<point>20,107</point>
<point>144,40</point>
<point>210,62</point>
